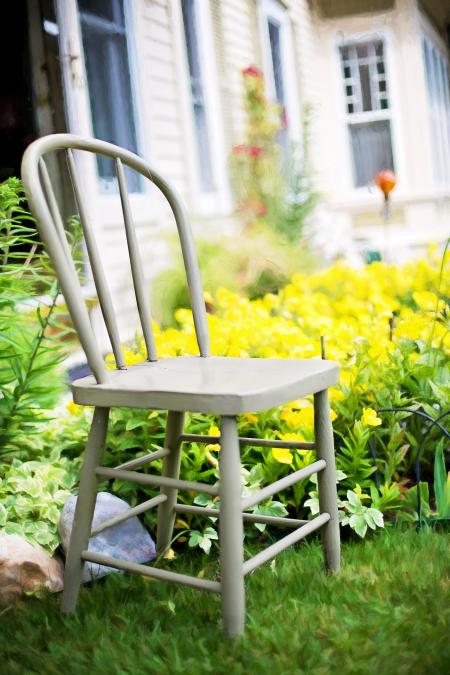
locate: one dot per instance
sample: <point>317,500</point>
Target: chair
<point>226,387</point>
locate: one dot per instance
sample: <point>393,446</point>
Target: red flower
<point>252,71</point>
<point>254,151</point>
<point>260,209</point>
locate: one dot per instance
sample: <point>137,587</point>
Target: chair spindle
<point>98,273</point>
<point>137,271</point>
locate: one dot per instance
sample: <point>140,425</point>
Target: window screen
<point>371,149</point>
<point>108,74</point>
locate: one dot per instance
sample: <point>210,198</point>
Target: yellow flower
<point>282,455</point>
<point>358,491</point>
<point>153,415</point>
<point>250,418</point>
<point>369,418</point>
<point>73,408</point>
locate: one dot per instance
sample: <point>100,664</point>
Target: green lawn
<point>388,611</point>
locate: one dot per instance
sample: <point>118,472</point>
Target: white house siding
<point>236,37</point>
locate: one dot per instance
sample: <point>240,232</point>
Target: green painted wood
<point>248,517</point>
<point>137,271</point>
<point>283,483</point>
<point>327,483</point>
<point>218,385</point>
<point>145,459</point>
<point>101,284</point>
<point>154,572</point>
<point>135,511</point>
<point>290,539</point>
<point>231,531</point>
<point>84,510</point>
<point>49,231</point>
<point>158,481</point>
<point>257,442</point>
<point>171,470</point>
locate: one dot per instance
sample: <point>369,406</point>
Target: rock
<point>128,540</point>
<point>26,568</point>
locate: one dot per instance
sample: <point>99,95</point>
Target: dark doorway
<point>17,125</point>
<point>31,93</point>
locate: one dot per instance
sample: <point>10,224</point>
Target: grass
<point>387,612</point>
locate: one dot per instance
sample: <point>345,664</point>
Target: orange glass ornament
<point>386,181</point>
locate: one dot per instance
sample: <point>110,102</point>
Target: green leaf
<point>3,515</point>
<point>441,484</point>
<point>358,523</point>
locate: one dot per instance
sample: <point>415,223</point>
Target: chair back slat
<point>54,210</point>
<point>101,284</point>
<point>43,205</point>
<point>137,271</point>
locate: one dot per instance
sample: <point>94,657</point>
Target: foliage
<point>30,381</point>
<point>386,612</point>
<point>441,485</point>
<point>32,495</point>
<point>254,263</point>
<point>408,368</point>
<point>270,178</point>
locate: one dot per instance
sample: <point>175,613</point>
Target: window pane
<point>371,149</point>
<point>102,9</point>
<point>275,50</point>
<point>108,75</point>
<point>364,77</point>
<point>436,73</point>
<point>197,93</point>
<point>364,66</point>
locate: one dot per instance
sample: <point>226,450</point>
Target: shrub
<point>30,378</point>
<point>270,175</point>
<point>384,364</point>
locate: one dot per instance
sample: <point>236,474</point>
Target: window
<point>367,102</point>
<point>190,23</point>
<point>279,67</point>
<point>437,78</point>
<point>110,91</point>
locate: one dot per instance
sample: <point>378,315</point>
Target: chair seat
<point>219,385</point>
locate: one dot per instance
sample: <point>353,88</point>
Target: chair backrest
<point>44,207</point>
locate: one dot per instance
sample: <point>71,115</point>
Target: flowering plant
<point>269,188</point>
<point>406,365</point>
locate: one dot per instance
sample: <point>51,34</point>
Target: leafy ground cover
<point>386,612</point>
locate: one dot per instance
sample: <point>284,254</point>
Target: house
<point>163,77</point>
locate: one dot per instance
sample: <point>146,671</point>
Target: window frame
<point>107,188</point>
<point>277,12</point>
<point>216,202</point>
<point>391,113</point>
<point>429,34</point>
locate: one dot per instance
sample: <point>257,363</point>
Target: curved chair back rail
<point>43,204</point>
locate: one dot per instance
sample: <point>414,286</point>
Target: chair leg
<point>171,469</point>
<point>327,481</point>
<point>231,531</point>
<point>84,510</point>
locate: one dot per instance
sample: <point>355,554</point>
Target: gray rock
<point>26,568</point>
<point>128,540</point>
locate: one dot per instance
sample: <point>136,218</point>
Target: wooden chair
<point>225,387</point>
